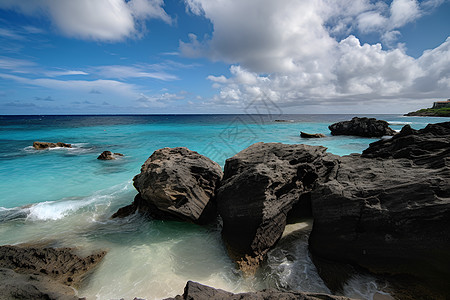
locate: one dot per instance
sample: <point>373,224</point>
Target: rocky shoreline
<point>385,211</point>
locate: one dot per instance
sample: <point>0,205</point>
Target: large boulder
<point>260,187</point>
<point>176,183</point>
<point>389,209</point>
<point>366,127</point>
<point>311,135</point>
<point>46,145</point>
<point>197,291</point>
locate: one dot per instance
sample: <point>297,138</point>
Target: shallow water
<point>64,197</point>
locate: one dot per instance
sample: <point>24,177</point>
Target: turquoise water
<point>64,197</point>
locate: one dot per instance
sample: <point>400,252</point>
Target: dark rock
<point>430,145</point>
<point>197,291</point>
<point>28,272</point>
<point>311,135</point>
<point>389,211</point>
<point>176,183</point>
<point>59,264</point>
<point>108,155</point>
<point>366,127</point>
<point>261,185</point>
<point>46,145</point>
<point>21,286</point>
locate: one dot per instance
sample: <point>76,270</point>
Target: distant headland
<point>439,109</point>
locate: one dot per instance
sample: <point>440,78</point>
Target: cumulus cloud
<point>287,51</point>
<point>109,20</point>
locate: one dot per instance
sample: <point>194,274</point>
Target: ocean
<point>65,197</point>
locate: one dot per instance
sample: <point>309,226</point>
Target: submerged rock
<point>388,210</point>
<point>42,273</point>
<point>260,187</point>
<point>311,135</point>
<point>108,155</point>
<point>197,291</point>
<point>46,145</point>
<point>176,183</point>
<point>366,127</point>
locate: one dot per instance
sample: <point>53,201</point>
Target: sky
<point>223,56</point>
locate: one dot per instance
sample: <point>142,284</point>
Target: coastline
<point>103,225</point>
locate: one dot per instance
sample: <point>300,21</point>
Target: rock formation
<point>389,209</point>
<point>366,127</point>
<point>311,135</point>
<point>260,187</point>
<point>42,273</point>
<point>108,155</point>
<point>197,291</point>
<point>46,145</point>
<point>176,183</point>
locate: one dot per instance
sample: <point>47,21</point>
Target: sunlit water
<point>64,197</point>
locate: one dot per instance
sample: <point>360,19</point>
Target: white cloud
<point>284,51</point>
<point>403,12</point>
<point>109,20</point>
<point>122,72</point>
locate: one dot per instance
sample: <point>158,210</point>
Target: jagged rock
<point>21,286</point>
<point>197,291</point>
<point>46,145</point>
<point>261,185</point>
<point>366,127</point>
<point>311,135</point>
<point>428,145</point>
<point>389,211</point>
<point>176,183</point>
<point>58,263</point>
<point>108,155</point>
<point>28,272</point>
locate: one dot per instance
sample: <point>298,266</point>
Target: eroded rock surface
<point>197,291</point>
<point>261,185</point>
<point>366,127</point>
<point>176,183</point>
<point>28,272</point>
<point>389,209</point>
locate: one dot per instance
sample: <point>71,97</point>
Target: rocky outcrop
<point>311,135</point>
<point>108,155</point>
<point>46,145</point>
<point>365,127</point>
<point>197,291</point>
<point>42,273</point>
<point>22,286</point>
<point>261,186</point>
<point>176,183</point>
<point>428,146</point>
<point>388,210</point>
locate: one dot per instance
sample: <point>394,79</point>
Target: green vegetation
<point>431,112</point>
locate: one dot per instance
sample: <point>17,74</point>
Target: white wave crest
<point>55,210</point>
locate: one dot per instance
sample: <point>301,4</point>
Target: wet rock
<point>388,210</point>
<point>311,135</point>
<point>366,127</point>
<point>46,145</point>
<point>176,183</point>
<point>197,291</point>
<point>108,155</point>
<point>261,186</point>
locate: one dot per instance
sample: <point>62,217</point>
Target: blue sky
<point>215,56</point>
